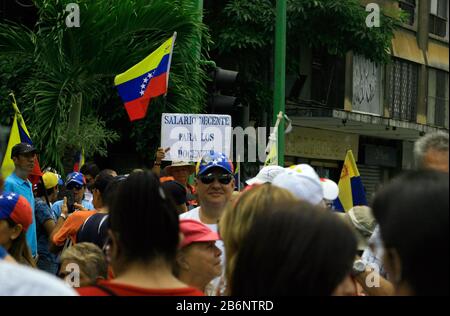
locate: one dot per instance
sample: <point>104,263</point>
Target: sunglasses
<point>74,186</point>
<point>210,177</point>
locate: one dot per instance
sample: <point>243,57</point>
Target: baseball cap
<point>75,177</point>
<point>17,208</point>
<point>50,179</point>
<point>266,174</point>
<point>362,222</point>
<point>176,164</point>
<point>176,190</point>
<point>22,148</point>
<point>302,181</point>
<point>214,160</point>
<point>330,189</point>
<point>194,231</point>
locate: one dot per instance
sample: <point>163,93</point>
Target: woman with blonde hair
<point>238,218</point>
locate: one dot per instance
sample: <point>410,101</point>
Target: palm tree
<point>72,69</point>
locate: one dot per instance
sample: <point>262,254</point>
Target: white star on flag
<point>142,86</point>
<point>141,92</point>
<point>145,80</point>
<point>9,197</point>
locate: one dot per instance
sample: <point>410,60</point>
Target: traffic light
<point>223,96</point>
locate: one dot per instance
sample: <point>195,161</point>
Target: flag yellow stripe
<point>351,164</point>
<point>14,138</point>
<point>345,193</point>
<point>150,62</point>
<point>349,170</point>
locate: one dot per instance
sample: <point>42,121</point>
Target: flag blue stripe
<point>23,136</point>
<point>338,205</point>
<point>358,194</point>
<point>130,90</point>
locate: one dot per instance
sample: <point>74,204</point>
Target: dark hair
<point>144,220</point>
<point>111,190</point>
<point>107,172</point>
<point>19,248</point>
<point>90,168</point>
<point>293,249</point>
<point>176,191</point>
<point>412,212</point>
<point>101,182</point>
<point>42,191</point>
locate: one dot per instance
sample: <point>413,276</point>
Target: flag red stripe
<point>157,86</point>
<point>137,109</point>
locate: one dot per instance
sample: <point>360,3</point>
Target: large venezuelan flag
<point>145,80</point>
<point>351,190</point>
<point>19,134</point>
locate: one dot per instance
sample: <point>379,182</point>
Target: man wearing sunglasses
<point>76,186</point>
<point>73,200</point>
<point>215,186</point>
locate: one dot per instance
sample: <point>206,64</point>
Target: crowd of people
<point>154,232</point>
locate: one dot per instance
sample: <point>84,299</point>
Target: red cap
<point>17,208</point>
<point>194,231</point>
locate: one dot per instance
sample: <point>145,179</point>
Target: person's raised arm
<point>59,223</point>
<point>160,155</point>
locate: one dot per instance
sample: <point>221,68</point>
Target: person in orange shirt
<point>68,229</point>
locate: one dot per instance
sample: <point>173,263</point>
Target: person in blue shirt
<point>23,156</point>
<point>75,183</point>
<point>46,221</point>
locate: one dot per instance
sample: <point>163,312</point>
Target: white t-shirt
<point>195,215</point>
<point>19,280</point>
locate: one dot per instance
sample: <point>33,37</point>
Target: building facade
<point>378,111</point>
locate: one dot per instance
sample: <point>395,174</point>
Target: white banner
<point>190,136</point>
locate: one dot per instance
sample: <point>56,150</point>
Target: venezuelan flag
<point>79,161</point>
<point>351,190</point>
<point>145,80</point>
<point>19,134</point>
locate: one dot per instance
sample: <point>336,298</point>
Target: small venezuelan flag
<point>79,160</point>
<point>351,190</point>
<point>145,80</point>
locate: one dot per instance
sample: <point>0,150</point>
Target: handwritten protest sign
<point>190,136</point>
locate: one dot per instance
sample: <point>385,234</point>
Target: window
<point>402,90</point>
<point>437,112</point>
<point>328,79</point>
<point>408,6</point>
<point>438,17</point>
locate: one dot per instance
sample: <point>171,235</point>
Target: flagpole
<point>280,73</point>
<point>170,61</point>
<point>14,104</point>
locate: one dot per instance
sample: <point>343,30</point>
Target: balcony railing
<point>402,90</point>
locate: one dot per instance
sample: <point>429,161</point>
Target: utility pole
<point>280,74</point>
<point>199,6</point>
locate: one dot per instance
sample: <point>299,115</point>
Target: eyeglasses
<point>210,177</point>
<point>77,187</point>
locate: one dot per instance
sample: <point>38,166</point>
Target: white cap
<point>266,174</point>
<point>330,189</point>
<point>302,181</point>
